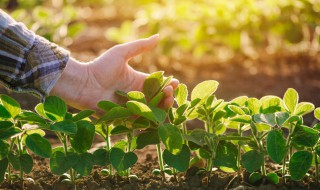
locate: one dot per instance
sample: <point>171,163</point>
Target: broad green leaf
<point>106,105</point>
<point>265,118</point>
<point>3,168</point>
<point>9,132</point>
<point>4,125</point>
<point>236,109</point>
<point>23,162</point>
<point>226,155</point>
<point>304,108</point>
<point>31,118</point>
<point>273,178</point>
<point>147,138</point>
<point>155,101</point>
<point>281,118</point>
<point>55,108</point>
<point>140,123</point>
<point>270,104</point>
<point>84,164</point>
<point>60,163</point>
<point>180,161</point>
<point>317,113</point>
<point>317,149</point>
<point>299,164</point>
<point>68,127</point>
<point>181,94</point>
<point>291,99</point>
<point>205,153</point>
<point>115,113</point>
<point>4,149</point>
<point>4,113</point>
<point>252,160</point>
<point>121,160</point>
<point>171,137</point>
<point>241,119</point>
<point>39,145</point>
<point>137,96</point>
<point>254,105</point>
<point>305,136</point>
<point>196,136</point>
<point>82,114</point>
<point>101,157</point>
<point>122,144</point>
<point>152,84</point>
<point>141,109</point>
<point>159,114</point>
<point>119,130</point>
<point>204,89</point>
<point>181,110</point>
<point>40,110</point>
<point>276,146</point>
<point>254,177</point>
<point>11,105</point>
<point>83,139</point>
<point>240,101</point>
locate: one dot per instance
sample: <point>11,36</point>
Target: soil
<point>42,179</point>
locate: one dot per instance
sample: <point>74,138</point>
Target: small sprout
<point>133,177</point>
<point>105,172</point>
<point>156,172</point>
<point>65,176</point>
<point>168,171</point>
<point>254,177</point>
<point>66,181</point>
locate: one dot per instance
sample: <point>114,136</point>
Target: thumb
<point>134,48</point>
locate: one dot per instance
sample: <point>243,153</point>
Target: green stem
<point>316,166</point>
<point>9,167</point>
<point>288,149</point>
<point>129,138</point>
<point>108,142</point>
<point>185,131</point>
<point>20,151</point>
<point>160,160</point>
<point>239,155</point>
<point>64,139</point>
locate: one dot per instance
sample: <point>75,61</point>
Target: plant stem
<point>185,131</point>
<point>9,166</point>
<point>108,142</point>
<point>239,155</point>
<point>20,151</point>
<point>65,147</point>
<point>160,160</point>
<point>129,138</point>
<point>288,149</point>
<point>316,166</point>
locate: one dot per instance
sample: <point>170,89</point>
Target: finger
<point>174,83</point>
<point>134,48</point>
<point>168,91</point>
<point>168,102</point>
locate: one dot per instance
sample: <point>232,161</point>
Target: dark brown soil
<point>42,179</point>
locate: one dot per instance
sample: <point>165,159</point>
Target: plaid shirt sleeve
<point>28,62</point>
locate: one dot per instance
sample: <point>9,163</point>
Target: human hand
<point>83,85</point>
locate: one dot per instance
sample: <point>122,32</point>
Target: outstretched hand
<point>83,85</point>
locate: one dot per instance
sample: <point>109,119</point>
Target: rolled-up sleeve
<point>28,62</point>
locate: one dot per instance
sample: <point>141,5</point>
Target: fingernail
<point>155,36</point>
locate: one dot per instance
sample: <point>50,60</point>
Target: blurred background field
<point>252,47</point>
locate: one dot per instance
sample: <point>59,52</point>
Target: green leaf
<point>181,94</point>
<point>82,140</point>
<point>204,89</point>
<point>106,105</point>
<point>141,109</point>
<point>254,105</point>
<point>317,149</point>
<point>147,138</point>
<point>101,157</point>
<point>115,113</point>
<point>239,101</point>
<point>305,136</point>
<point>152,84</point>
<point>252,160</point>
<point>121,160</point>
<point>157,99</point>
<point>179,161</point>
<point>140,123</point>
<point>11,105</point>
<point>84,164</point>
<point>9,132</point>
<point>226,155</point>
<point>171,137</point>
<point>3,168</point>
<point>276,146</point>
<point>270,104</point>
<point>299,164</point>
<point>254,177</point>
<point>31,118</point>
<point>304,108</point>
<point>68,127</point>
<point>273,178</point>
<point>82,114</point>
<point>236,109</point>
<point>23,162</point>
<point>39,145</point>
<point>40,110</point>
<point>4,149</point>
<point>281,118</point>
<point>317,113</point>
<point>265,118</point>
<point>4,125</point>
<point>119,130</point>
<point>55,108</point>
<point>137,96</point>
<point>241,119</point>
<point>159,114</point>
<point>291,99</point>
<point>4,113</point>
<point>60,163</point>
